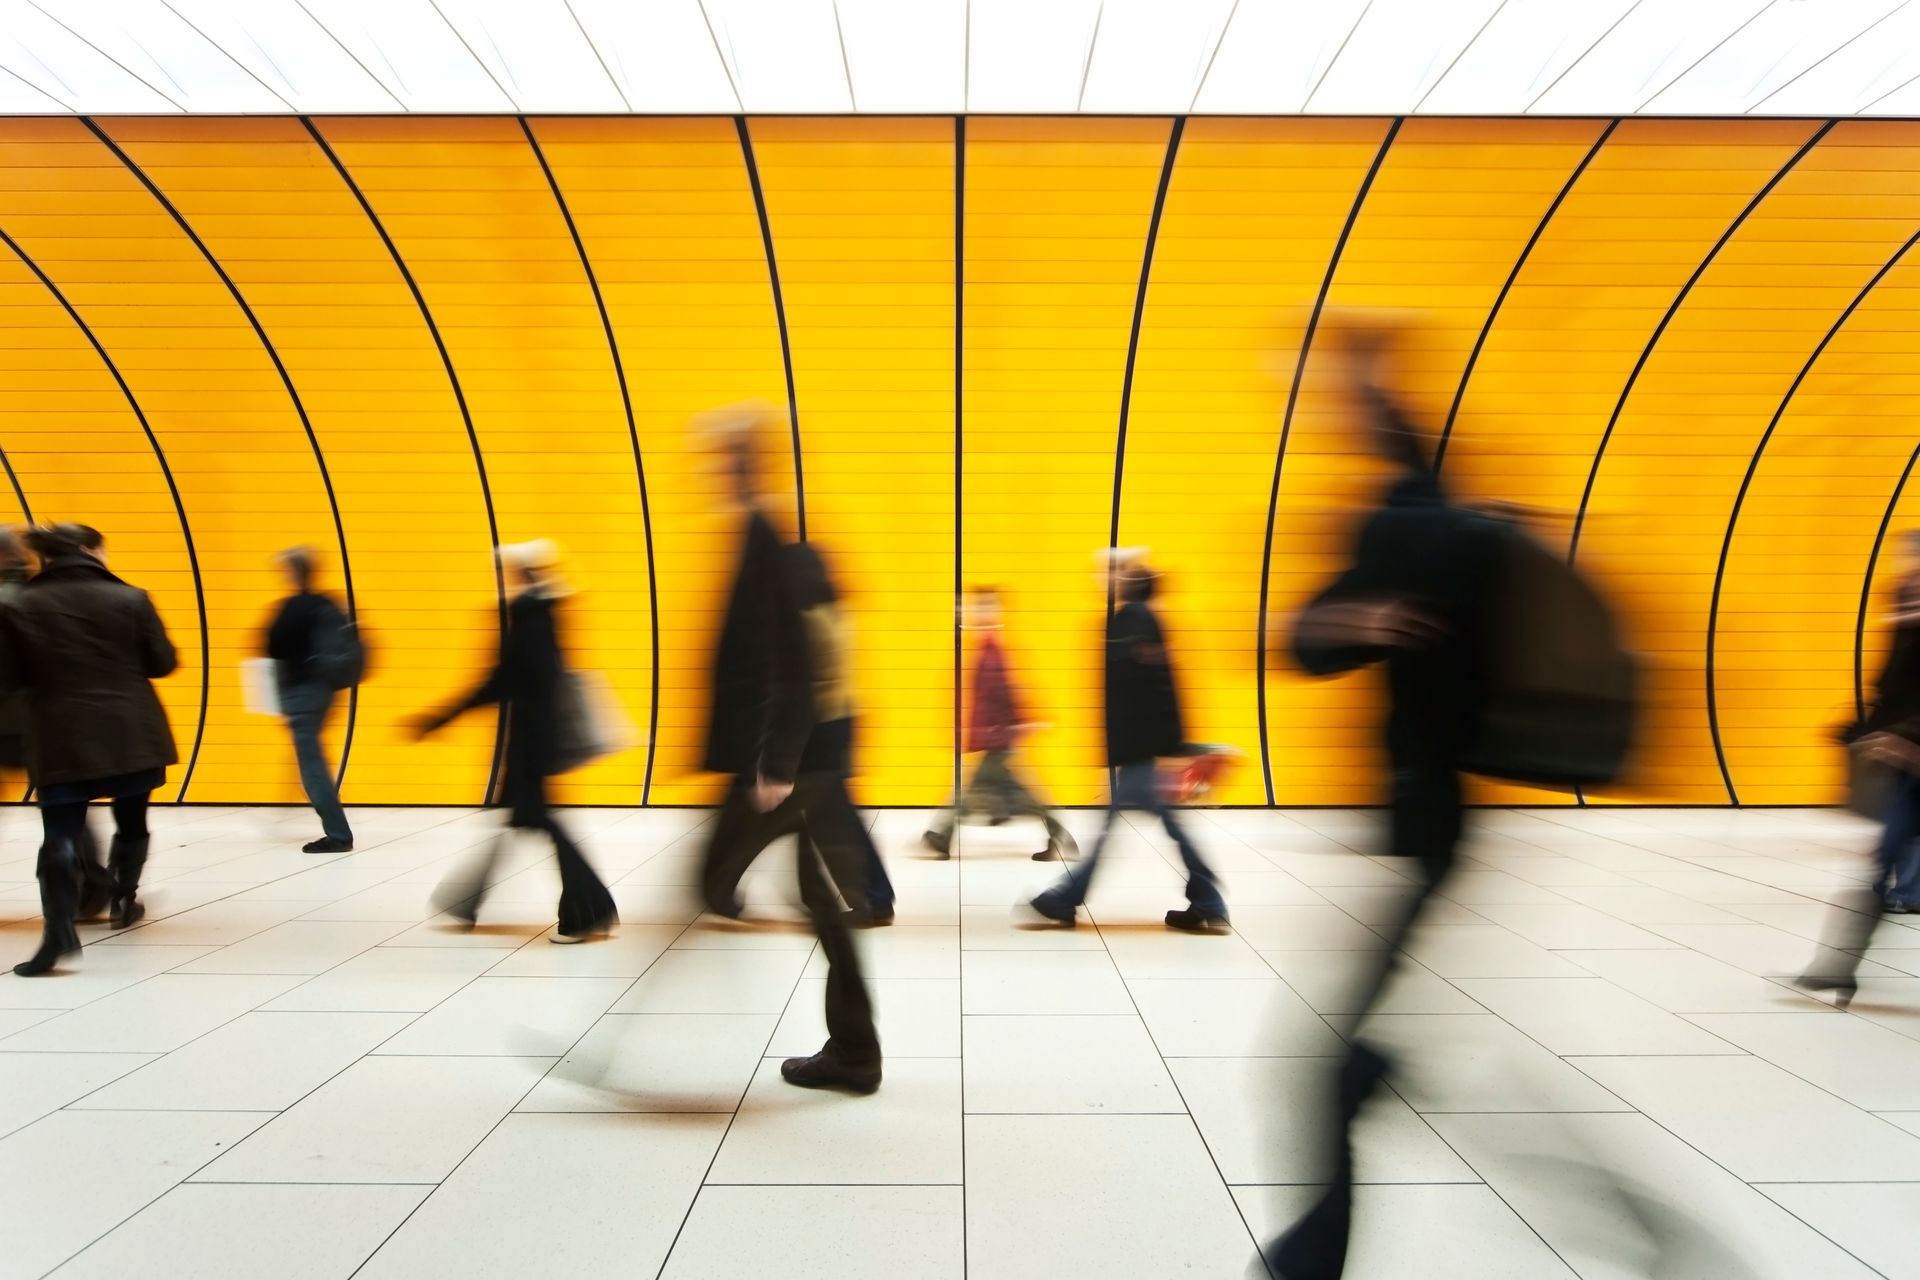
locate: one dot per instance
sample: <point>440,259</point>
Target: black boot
<point>125,861</point>
<point>96,882</point>
<point>59,876</point>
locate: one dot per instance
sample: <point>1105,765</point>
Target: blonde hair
<point>540,560</point>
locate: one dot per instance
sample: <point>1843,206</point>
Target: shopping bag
<point>589,722</point>
<point>1869,785</point>
<point>260,686</point>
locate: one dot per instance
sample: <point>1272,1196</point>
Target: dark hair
<point>298,562</point>
<point>987,589</point>
<point>87,537</point>
<point>50,542</point>
<point>1138,583</point>
<point>811,580</point>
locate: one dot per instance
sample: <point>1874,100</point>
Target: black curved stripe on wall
<point>780,318</point>
<point>1653,340</point>
<point>293,394</point>
<point>466,417</point>
<point>1286,428</point>
<point>1493,314</point>
<point>1866,585</point>
<point>633,434</point>
<point>959,406</point>
<point>1133,339</point>
<point>166,472</point>
<point>26,509</point>
<point>1740,498</point>
<point>1659,331</point>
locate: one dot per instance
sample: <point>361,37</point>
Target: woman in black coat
<point>526,682</point>
<point>86,647</point>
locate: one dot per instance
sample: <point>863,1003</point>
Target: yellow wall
<point>1689,338</point>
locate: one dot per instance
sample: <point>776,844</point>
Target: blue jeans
<point>306,707</point>
<point>1899,857</point>
<point>1136,786</point>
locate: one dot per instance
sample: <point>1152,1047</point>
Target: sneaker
<point>327,844</point>
<point>1192,920</point>
<point>827,1071</point>
<point>941,846</point>
<point>1903,908</point>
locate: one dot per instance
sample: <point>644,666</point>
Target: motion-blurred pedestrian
<point>995,726</point>
<point>87,647</point>
<point>315,648</point>
<point>1144,725</point>
<point>526,683</point>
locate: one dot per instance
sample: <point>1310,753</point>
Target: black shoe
<point>1843,989</point>
<point>1192,920</point>
<point>126,912</point>
<point>50,953</point>
<point>327,844</point>
<point>941,846</point>
<point>825,1070</point>
<point>1068,918</point>
<point>726,910</point>
<point>873,918</point>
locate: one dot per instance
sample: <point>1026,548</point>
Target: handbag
<point>1869,785</point>
<point>589,722</point>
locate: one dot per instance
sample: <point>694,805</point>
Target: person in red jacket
<point>993,729</point>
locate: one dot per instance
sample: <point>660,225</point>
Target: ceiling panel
<point>1157,57</point>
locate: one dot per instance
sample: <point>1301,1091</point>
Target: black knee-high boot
<point>124,863</point>
<point>58,872</point>
<point>96,881</point>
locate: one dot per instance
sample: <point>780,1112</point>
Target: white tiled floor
<point>296,1067</point>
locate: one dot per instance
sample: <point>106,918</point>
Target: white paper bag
<point>260,686</point>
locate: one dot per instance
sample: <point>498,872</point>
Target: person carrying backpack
<point>316,653</point>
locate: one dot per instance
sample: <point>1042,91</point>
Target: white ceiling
<point>1372,57</point>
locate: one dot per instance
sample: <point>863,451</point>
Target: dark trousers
<point>585,902</point>
<point>1000,793</point>
<point>69,870</point>
<point>1856,912</point>
<point>1137,786</point>
<point>306,707</point>
<point>742,833</point>
<point>1425,822</point>
<point>835,860</point>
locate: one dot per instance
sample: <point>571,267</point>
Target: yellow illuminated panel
<point>476,221</point>
<point>669,222</point>
<point>1056,226</point>
<point>310,263</point>
<point>862,215</point>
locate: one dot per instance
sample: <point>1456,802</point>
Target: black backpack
<point>1561,688</point>
<point>340,653</point>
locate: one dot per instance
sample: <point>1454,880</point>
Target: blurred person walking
<point>316,653</point>
<point>752,735</point>
<point>995,726</point>
<point>1417,599</point>
<point>87,646</point>
<point>526,682</point>
<point>1887,739</point>
<point>1143,726</point>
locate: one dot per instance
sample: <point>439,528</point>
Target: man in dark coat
<point>305,629</point>
<point>1417,598</point>
<point>87,647</point>
<point>761,712</point>
<point>1143,725</point>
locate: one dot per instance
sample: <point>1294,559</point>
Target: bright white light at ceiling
<point>409,47</point>
<point>1873,64</point>
<point>284,48</point>
<point>1784,40</point>
<point>534,56</point>
<point>1274,53</point>
<point>784,54</point>
<point>64,67</point>
<point>1397,51</point>
<point>660,52</point>
<point>1646,51</point>
<point>1149,55</point>
<point>153,43</point>
<point>906,55</point>
<point>1028,55</point>
<point>1519,53</point>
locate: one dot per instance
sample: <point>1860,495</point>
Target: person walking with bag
<point>316,653</point>
<point>87,647</point>
<point>1143,726</point>
<point>530,683</point>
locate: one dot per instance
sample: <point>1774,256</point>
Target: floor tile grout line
<point>693,1201</point>
<point>511,1110</point>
